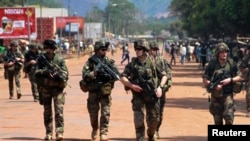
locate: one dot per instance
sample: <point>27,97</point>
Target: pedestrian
<point>172,53</point>
<point>203,55</point>
<point>141,77</point>
<point>99,86</point>
<point>13,62</point>
<point>245,69</point>
<point>163,65</point>
<point>125,53</point>
<point>183,53</point>
<point>51,75</point>
<point>30,66</point>
<point>222,105</point>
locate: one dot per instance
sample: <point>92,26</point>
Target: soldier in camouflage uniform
<point>144,67</point>
<point>52,83</point>
<point>222,105</point>
<point>99,86</point>
<point>245,69</point>
<point>13,62</point>
<point>163,65</point>
<point>29,67</point>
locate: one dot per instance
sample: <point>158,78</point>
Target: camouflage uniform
<point>14,71</point>
<point>222,104</point>
<point>245,64</point>
<point>99,88</point>
<point>140,100</point>
<point>29,68</point>
<point>51,88</point>
<point>163,65</point>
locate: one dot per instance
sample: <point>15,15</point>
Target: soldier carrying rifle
<point>222,105</point>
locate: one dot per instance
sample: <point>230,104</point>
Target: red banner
<point>69,24</point>
<point>17,22</point>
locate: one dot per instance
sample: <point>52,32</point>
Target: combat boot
<point>48,137</point>
<point>59,137</point>
<point>103,138</point>
<point>94,134</point>
<point>156,135</point>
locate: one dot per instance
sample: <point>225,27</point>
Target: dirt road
<point>186,113</point>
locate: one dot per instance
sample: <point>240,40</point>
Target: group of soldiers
<point>147,76</point>
<point>48,75</point>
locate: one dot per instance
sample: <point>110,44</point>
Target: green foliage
<point>203,18</point>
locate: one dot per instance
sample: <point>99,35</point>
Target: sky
<point>81,7</point>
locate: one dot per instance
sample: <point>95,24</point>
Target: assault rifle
<point>147,86</point>
<point>225,74</point>
<point>105,69</point>
<point>55,69</point>
<point>12,58</point>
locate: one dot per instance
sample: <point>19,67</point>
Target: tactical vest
<point>95,84</point>
<point>147,71</point>
<point>216,69</point>
<point>46,81</point>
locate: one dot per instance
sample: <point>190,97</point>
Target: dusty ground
<point>186,113</point>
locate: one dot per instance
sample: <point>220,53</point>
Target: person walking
<point>99,86</point>
<point>222,105</point>
<point>13,62</point>
<point>141,77</point>
<point>163,65</point>
<point>125,54</point>
<point>51,75</point>
<point>172,53</point>
<point>29,67</point>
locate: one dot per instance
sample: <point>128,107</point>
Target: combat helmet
<point>100,44</point>
<point>50,43</point>
<point>14,43</point>
<point>142,43</point>
<point>33,46</point>
<point>221,47</point>
<point>153,44</point>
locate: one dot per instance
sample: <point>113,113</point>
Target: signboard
<point>68,25</point>
<point>17,22</point>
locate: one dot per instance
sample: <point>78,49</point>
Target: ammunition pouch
<point>106,88</point>
<point>237,87</point>
<point>83,85</point>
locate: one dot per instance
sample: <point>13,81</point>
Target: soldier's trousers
<point>152,116</point>
<point>162,104</point>
<point>14,74</point>
<point>58,99</point>
<point>222,108</point>
<point>33,86</point>
<point>94,103</point>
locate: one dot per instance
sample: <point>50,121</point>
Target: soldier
<point>29,67</point>
<point>51,75</point>
<point>100,85</point>
<point>141,76</point>
<point>222,104</point>
<point>244,67</point>
<point>163,65</point>
<point>13,62</point>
